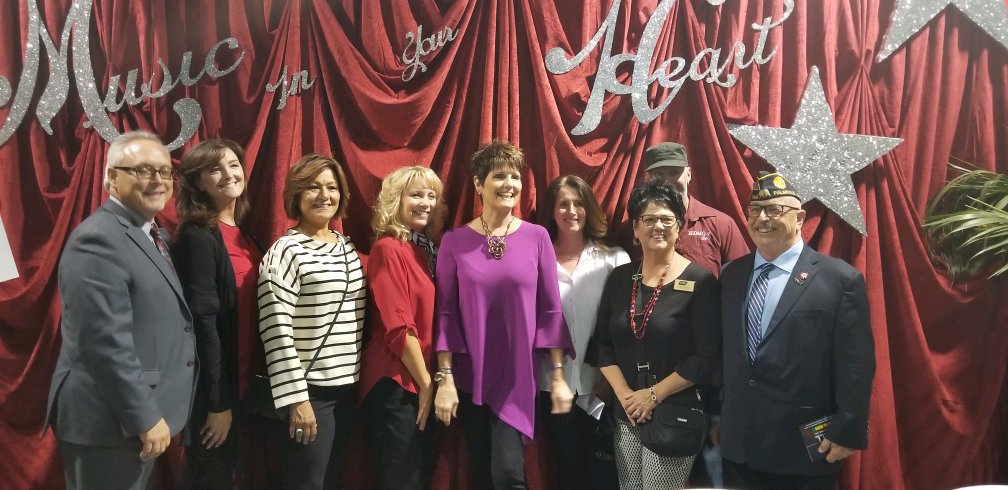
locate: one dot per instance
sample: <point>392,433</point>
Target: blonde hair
<point>387,219</point>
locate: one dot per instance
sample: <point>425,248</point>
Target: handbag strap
<point>339,307</point>
<point>643,366</point>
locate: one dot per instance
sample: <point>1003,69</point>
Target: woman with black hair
<point>665,307</point>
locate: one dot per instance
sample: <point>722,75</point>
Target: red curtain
<point>938,406</point>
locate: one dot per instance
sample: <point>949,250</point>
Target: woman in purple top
<point>497,301</point>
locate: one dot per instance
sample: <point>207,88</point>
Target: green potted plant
<point>966,224</point>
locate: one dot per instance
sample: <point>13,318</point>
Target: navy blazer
<point>816,358</point>
<point>128,356</point>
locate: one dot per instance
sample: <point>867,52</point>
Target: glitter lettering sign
<point>79,20</point>
<point>710,65</point>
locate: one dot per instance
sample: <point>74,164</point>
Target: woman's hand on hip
<point>303,427</point>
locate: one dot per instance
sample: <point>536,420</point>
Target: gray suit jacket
<point>128,356</point>
<point>816,358</point>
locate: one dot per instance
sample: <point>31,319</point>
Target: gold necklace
<point>496,244</point>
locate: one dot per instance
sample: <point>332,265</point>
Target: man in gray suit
<point>124,380</point>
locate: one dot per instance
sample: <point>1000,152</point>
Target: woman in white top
<point>311,319</point>
<point>577,225</point>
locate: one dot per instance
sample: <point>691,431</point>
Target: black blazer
<point>204,269</point>
<point>816,358</point>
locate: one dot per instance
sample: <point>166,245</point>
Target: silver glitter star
<point>814,157</point>
<point>911,15</point>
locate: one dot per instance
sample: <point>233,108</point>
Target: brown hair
<point>495,154</point>
<point>193,205</point>
<point>596,226</point>
<point>301,177</point>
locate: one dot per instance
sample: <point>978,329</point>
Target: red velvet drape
<point>938,406</point>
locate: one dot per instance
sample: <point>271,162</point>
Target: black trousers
<point>496,450</point>
<point>402,454</point>
<point>572,440</point>
<point>307,464</point>
<point>741,476</point>
<point>113,468</point>
<point>210,468</point>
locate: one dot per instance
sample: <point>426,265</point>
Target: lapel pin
<point>800,278</point>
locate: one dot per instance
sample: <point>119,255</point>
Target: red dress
<point>400,302</point>
<point>245,257</point>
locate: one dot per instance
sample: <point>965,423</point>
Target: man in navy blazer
<point>797,347</point>
<point>124,380</point>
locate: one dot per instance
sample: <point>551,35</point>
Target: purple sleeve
<point>551,328</point>
<point>449,337</point>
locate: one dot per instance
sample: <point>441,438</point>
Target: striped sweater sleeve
<point>279,288</point>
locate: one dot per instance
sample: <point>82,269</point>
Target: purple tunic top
<point>492,313</point>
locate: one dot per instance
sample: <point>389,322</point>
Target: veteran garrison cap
<point>770,185</point>
<point>665,155</point>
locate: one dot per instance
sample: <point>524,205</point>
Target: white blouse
<point>580,293</point>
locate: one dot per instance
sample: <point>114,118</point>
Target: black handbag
<point>259,400</point>
<point>678,425</point>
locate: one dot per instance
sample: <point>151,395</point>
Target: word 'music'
<point>56,90</point>
<point>671,74</point>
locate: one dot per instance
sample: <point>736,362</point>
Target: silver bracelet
<point>654,397</point>
<point>557,365</point>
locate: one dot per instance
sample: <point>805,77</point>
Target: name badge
<point>683,285</point>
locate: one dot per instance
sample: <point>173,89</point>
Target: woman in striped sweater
<point>311,319</point>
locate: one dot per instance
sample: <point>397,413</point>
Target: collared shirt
<point>783,266</point>
<point>710,238</point>
<point>146,226</point>
<point>580,293</point>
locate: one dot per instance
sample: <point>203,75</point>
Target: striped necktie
<point>160,243</point>
<point>754,312</point>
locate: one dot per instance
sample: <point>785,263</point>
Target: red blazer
<point>400,301</point>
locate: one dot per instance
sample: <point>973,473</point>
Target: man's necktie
<point>162,246</point>
<point>754,312</point>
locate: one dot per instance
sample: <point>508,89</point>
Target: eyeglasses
<point>147,172</point>
<point>650,220</point>
<point>771,210</point>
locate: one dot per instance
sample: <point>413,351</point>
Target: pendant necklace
<point>496,244</point>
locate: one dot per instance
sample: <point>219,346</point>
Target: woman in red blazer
<point>395,380</point>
